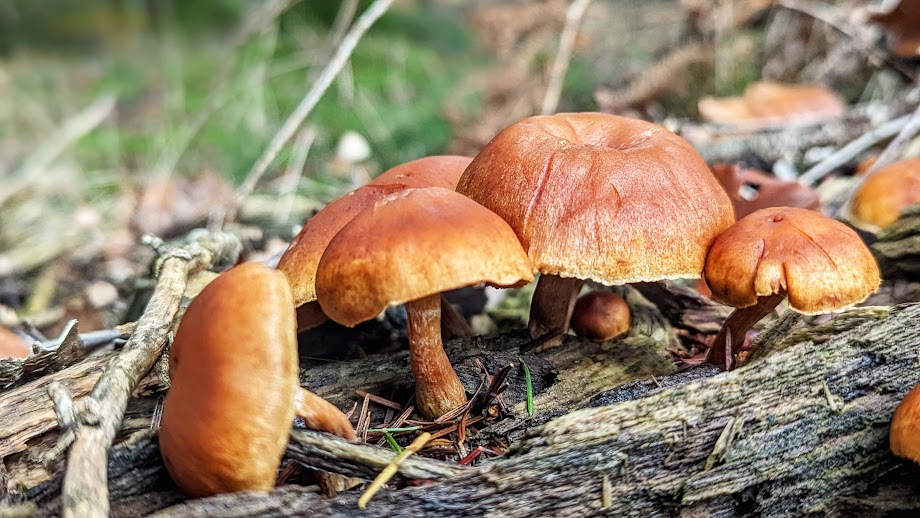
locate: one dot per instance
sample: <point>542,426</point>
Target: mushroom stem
<point>437,388</point>
<point>552,304</point>
<point>310,315</point>
<point>737,325</point>
<point>322,415</point>
<point>453,325</point>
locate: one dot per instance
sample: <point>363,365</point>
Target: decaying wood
<point>804,430</point>
<point>85,482</point>
<point>775,439</point>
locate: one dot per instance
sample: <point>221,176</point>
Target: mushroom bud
<point>600,316</point>
<point>234,386</point>
<point>600,197</point>
<point>820,263</point>
<point>904,436</point>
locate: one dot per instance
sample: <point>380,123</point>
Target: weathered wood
<point>802,431</point>
<point>897,248</point>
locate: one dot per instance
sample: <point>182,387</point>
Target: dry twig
<point>573,15</point>
<point>309,101</point>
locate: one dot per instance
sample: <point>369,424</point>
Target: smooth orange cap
<point>878,202</point>
<point>302,256</point>
<point>600,316</point>
<point>904,436</point>
<point>412,244</point>
<point>234,376</point>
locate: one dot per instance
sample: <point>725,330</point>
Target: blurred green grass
<point>166,77</point>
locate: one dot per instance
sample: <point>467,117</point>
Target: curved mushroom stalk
<point>552,304</point>
<point>737,325</point>
<point>437,388</point>
<point>322,415</point>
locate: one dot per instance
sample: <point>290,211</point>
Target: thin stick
<point>392,468</point>
<point>291,178</point>
<point>309,101</point>
<point>85,492</point>
<point>849,151</point>
<point>573,16</point>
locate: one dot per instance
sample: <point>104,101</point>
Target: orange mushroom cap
<point>412,244</point>
<point>234,385</point>
<point>904,436</point>
<point>12,346</point>
<point>600,316</point>
<point>878,202</point>
<point>769,102</point>
<point>601,197</point>
<point>821,263</point>
<point>300,260</point>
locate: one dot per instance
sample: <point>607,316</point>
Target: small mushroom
<point>600,316</point>
<point>820,263</point>
<point>752,189</point>
<point>234,386</point>
<point>12,346</point>
<point>769,102</point>
<point>904,437</point>
<point>600,197</point>
<point>302,256</point>
<point>879,200</point>
<point>407,249</point>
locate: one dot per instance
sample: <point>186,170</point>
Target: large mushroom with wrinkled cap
<point>879,200</point>
<point>235,386</point>
<point>600,197</point>
<point>407,249</point>
<point>302,256</point>
<point>820,264</point>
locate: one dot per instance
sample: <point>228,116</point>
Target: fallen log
<point>803,430</point>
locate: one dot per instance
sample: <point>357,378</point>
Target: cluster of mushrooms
<point>571,197</point>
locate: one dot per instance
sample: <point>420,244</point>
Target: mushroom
<point>600,316</point>
<point>820,263</point>
<point>769,102</point>
<point>12,346</point>
<point>601,197</point>
<point>407,249</point>
<point>901,21</point>
<point>905,427</point>
<point>234,386</point>
<point>303,254</point>
<point>752,189</point>
<point>879,200</point>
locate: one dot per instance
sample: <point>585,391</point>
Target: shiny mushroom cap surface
<point>878,202</point>
<point>819,262</point>
<point>412,244</point>
<point>234,376</point>
<point>601,197</point>
<point>300,260</point>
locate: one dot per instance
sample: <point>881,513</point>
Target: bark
<point>801,431</point>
